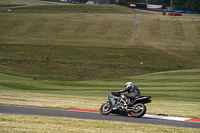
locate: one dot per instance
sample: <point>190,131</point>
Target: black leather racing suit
<point>133,92</point>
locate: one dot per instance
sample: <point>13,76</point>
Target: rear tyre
<point>106,108</point>
<point>139,111</point>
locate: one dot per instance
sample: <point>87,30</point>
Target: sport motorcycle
<point>118,103</point>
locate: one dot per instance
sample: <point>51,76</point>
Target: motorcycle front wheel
<point>139,110</point>
<point>106,108</point>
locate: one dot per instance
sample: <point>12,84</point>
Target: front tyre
<point>106,108</point>
<point>139,110</point>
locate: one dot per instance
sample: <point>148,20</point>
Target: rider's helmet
<point>128,84</point>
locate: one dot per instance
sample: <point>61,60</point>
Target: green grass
<point>175,89</point>
<point>96,45</point>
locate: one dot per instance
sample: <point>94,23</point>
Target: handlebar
<point>116,94</point>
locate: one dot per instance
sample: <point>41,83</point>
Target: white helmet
<point>128,84</point>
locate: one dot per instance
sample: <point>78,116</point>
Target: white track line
<point>166,117</point>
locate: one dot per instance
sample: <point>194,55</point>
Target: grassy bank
<point>172,92</point>
<point>96,46</point>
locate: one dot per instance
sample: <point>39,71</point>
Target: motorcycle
<point>118,103</point>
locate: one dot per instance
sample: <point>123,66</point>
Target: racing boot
<point>127,101</point>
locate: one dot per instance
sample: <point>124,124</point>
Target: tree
<point>187,5</point>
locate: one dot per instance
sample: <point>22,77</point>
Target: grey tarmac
<point>5,109</point>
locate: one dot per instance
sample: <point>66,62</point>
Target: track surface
<point>39,2</point>
<point>93,116</point>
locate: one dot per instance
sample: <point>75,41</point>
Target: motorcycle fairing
<point>112,98</point>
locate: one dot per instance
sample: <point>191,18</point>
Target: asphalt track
<point>93,116</point>
<point>39,2</point>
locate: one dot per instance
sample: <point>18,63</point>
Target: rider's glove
<point>117,93</point>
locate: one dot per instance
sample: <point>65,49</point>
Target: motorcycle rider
<point>133,92</point>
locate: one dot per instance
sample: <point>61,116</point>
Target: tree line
<point>186,5</point>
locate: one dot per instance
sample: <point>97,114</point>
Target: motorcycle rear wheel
<point>140,110</point>
<point>106,108</point>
